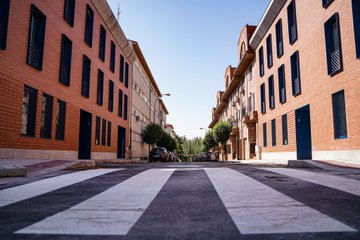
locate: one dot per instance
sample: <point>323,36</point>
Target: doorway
<point>121,143</point>
<point>303,133</point>
<point>85,135</point>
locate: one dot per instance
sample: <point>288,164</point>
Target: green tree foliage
<point>167,142</point>
<point>209,141</point>
<point>152,133</point>
<point>222,132</point>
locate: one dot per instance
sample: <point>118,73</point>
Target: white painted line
<point>340,183</point>
<point>19,193</point>
<point>258,209</point>
<point>112,212</point>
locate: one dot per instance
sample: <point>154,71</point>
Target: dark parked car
<point>159,154</point>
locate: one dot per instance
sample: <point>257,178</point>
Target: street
<point>183,201</point>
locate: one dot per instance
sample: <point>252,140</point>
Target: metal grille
<point>46,116</point>
<point>97,131</point>
<point>285,130</point>
<point>28,113</point>
<point>293,33</point>
<point>273,132</point>
<point>60,120</point>
<point>335,61</point>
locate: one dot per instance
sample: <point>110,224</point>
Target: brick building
<point>65,72</point>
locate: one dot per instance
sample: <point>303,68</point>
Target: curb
<point>12,171</point>
<point>92,164</point>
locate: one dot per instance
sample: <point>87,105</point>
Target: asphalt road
<point>183,201</point>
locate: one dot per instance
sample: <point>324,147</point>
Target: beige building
<point>169,128</point>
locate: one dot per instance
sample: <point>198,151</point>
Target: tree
<point>167,142</point>
<point>222,132</point>
<point>209,141</point>
<point>152,133</point>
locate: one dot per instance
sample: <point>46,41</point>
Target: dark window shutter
<point>279,39</point>
<point>111,96</point>
<point>69,11</point>
<point>60,120</point>
<point>285,130</point>
<point>109,134</point>
<point>100,88</point>
<point>295,74</point>
<point>28,114</point>
<point>65,60</point>
<point>97,131</point>
<point>356,19</point>
<point>46,116</point>
<point>102,46</point>
<point>4,21</point>
<point>126,75</point>
<point>292,25</point>
<point>326,3</point>
<point>122,62</point>
<point>269,51</point>
<point>120,111</point>
<point>264,135</point>
<point>89,22</point>
<point>273,132</point>
<point>262,95</point>
<point>271,92</point>
<point>125,107</point>
<point>112,57</point>
<point>282,84</point>
<point>339,115</point>
<point>261,62</point>
<point>85,86</point>
<point>103,133</point>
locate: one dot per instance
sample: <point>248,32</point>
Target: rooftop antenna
<point>118,12</point>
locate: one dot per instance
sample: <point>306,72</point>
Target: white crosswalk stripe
<point>258,209</point>
<point>343,184</point>
<point>19,193</point>
<point>112,212</point>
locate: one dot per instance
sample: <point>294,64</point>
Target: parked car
<point>159,154</point>
<point>207,156</point>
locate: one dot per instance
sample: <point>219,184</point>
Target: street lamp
<point>157,99</point>
<point>203,129</point>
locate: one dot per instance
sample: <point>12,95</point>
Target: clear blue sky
<point>187,45</point>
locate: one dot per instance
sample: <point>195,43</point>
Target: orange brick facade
<point>15,73</point>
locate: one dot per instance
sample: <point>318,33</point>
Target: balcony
<point>248,113</point>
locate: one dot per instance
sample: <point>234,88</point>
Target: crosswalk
<point>254,207</point>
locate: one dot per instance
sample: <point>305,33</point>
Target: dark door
<point>121,142</point>
<point>85,135</point>
<point>303,133</point>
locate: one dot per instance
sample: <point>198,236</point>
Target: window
<point>28,113</point>
<point>339,115</point>
<point>109,134</point>
<point>356,18</point>
<point>97,131</point>
<point>69,11</point>
<point>60,120</point>
<point>273,132</point>
<point>122,62</point>
<point>284,129</point>
<point>291,12</point>
<point>271,92</point>
<point>103,133</point>
<point>120,110</point>
<point>326,3</point>
<point>35,51</point>
<point>112,57</point>
<point>262,96</point>
<point>279,39</point>
<point>295,74</point>
<point>269,51</point>
<point>333,45</point>
<point>102,45</point>
<point>125,106</point>
<point>4,20</point>
<point>100,88</point>
<point>264,135</point>
<point>89,22</point>
<point>46,116</point>
<point>261,61</point>
<point>111,96</point>
<point>126,75</point>
<point>282,84</point>
<point>65,61</point>
<point>85,85</point>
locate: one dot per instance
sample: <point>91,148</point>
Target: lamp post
<point>157,99</point>
<point>203,129</point>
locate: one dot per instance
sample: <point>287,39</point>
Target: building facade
<point>307,73</point>
<point>65,71</point>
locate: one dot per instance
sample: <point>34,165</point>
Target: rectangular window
<point>264,135</point>
<point>46,116</point>
<point>28,113</point>
<point>103,133</point>
<point>60,120</point>
<point>111,96</point>
<point>125,106</point>
<point>279,39</point>
<point>126,75</point>
<point>271,92</point>
<point>295,74</point>
<point>65,60</point>
<point>284,129</point>
<point>89,22</point>
<point>333,45</point>
<point>262,96</point>
<point>35,53</point>
<point>4,21</point>
<point>69,11</point>
<point>120,110</point>
<point>339,115</point>
<point>282,84</point>
<point>112,57</point>
<point>292,25</point>
<point>100,88</point>
<point>326,3</point>
<point>122,62</point>
<point>97,131</point>
<point>85,84</point>
<point>109,134</point>
<point>273,132</point>
<point>102,45</point>
<point>356,19</point>
<point>261,62</point>
<point>269,51</point>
